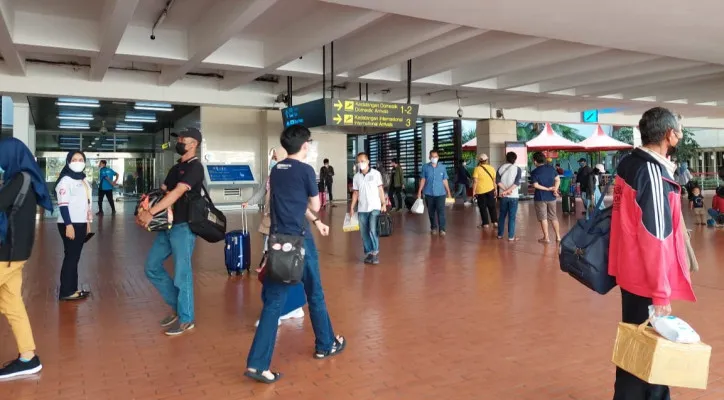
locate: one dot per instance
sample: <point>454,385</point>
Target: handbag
<point>285,255</point>
<point>205,220</point>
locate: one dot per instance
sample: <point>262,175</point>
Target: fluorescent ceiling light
<point>130,129</point>
<point>89,105</point>
<point>73,102</point>
<point>152,106</point>
<point>62,126</point>
<point>75,117</point>
<point>149,121</point>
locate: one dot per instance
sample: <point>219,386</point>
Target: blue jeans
<point>178,292</point>
<point>508,208</point>
<point>368,230</point>
<point>461,191</point>
<point>275,296</point>
<point>436,212</point>
<point>296,298</point>
<point>713,213</point>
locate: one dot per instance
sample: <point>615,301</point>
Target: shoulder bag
<point>205,220</point>
<point>285,257</point>
<point>495,185</point>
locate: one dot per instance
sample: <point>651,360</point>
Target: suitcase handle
<point>244,220</point>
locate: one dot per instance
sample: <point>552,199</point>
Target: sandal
<point>259,376</point>
<point>79,295</point>
<point>337,347</point>
<point>544,241</point>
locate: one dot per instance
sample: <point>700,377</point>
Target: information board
<point>371,114</point>
<point>309,114</point>
<point>229,174</point>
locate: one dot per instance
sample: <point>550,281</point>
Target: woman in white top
<point>74,202</point>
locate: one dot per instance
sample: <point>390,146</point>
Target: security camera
<point>153,37</point>
<point>460,112</point>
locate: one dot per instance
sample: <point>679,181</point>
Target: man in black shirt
<point>583,178</point>
<point>326,179</point>
<point>187,175</point>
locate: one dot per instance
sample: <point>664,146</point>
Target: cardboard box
<point>642,352</point>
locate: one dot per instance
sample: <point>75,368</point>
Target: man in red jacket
<point>647,253</point>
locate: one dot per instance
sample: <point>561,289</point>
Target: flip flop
<point>259,377</point>
<point>337,348</point>
<point>543,241</point>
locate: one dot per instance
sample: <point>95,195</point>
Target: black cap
<point>582,160</point>
<point>192,133</point>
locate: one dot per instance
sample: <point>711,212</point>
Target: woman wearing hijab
<point>296,298</point>
<point>17,235</point>
<point>74,201</point>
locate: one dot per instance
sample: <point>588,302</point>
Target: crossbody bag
<point>285,257</point>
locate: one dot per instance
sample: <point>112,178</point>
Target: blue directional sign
<point>590,116</point>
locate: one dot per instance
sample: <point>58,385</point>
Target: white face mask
<point>434,160</point>
<point>77,166</point>
<point>362,165</point>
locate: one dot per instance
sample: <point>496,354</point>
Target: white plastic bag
<point>418,207</point>
<point>351,223</point>
<point>674,328</point>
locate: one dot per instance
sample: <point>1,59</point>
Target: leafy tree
<point>688,148</point>
<point>469,135</point>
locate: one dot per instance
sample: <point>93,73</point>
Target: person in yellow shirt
<point>484,191</point>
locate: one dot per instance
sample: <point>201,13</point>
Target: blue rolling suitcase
<point>237,251</point>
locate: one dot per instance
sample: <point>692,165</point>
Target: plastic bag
<point>418,207</point>
<point>161,221</point>
<point>351,223</point>
<point>674,328</point>
<point>449,201</point>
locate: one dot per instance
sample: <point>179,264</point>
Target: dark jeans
<point>509,209</point>
<point>327,187</point>
<point>436,212</point>
<point>275,296</point>
<point>635,310</point>
<point>109,195</point>
<point>72,250</point>
<point>396,197</point>
<point>461,191</point>
<point>486,205</point>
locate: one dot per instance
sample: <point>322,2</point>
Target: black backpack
<point>584,250</point>
<point>19,201</point>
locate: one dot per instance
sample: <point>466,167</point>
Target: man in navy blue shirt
<point>546,182</point>
<point>294,197</point>
<point>433,184</point>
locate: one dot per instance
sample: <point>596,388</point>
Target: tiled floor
<point>464,317</point>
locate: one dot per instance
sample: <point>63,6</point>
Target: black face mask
<point>181,148</point>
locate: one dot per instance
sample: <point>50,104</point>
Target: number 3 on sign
<point>408,122</point>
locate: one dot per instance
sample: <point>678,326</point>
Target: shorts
<point>699,211</point>
<point>545,210</point>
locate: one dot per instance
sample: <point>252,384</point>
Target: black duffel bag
<point>205,220</point>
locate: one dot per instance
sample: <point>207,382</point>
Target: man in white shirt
<point>368,190</point>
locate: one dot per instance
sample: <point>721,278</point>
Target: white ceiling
<point>553,55</point>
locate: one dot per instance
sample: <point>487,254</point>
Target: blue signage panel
<point>309,114</point>
<point>590,116</point>
<point>230,173</point>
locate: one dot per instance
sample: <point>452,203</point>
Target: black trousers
<point>486,205</point>
<point>327,187</point>
<point>396,197</point>
<point>73,249</point>
<point>635,310</point>
<point>107,194</point>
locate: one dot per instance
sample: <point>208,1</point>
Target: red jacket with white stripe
<point>647,252</point>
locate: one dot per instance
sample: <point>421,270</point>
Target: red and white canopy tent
<point>471,145</point>
<point>548,140</point>
<point>600,141</point>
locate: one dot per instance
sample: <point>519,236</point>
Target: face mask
<point>181,148</point>
<point>362,165</point>
<point>272,164</point>
<point>434,160</point>
<point>77,166</point>
<point>581,164</point>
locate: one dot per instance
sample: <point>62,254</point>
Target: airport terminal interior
<point>457,313</point>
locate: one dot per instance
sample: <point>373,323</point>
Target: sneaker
<point>295,314</point>
<point>375,259</point>
<point>180,329</point>
<point>442,233</point>
<point>256,324</point>
<point>19,367</point>
<point>368,259</point>
<point>168,321</point>
<point>467,203</point>
<point>433,232</point>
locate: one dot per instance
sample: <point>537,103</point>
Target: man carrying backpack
<point>646,237</point>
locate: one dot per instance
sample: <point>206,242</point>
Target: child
<point>697,204</point>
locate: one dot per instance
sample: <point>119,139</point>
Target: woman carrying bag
<point>296,299</point>
<point>74,201</point>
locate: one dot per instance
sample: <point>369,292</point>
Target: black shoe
<point>18,367</point>
<point>375,260</point>
<point>368,259</point>
<point>100,214</point>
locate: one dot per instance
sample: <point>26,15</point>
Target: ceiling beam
<point>222,22</point>
<point>14,62</point>
<point>117,14</point>
<point>627,71</point>
<point>614,85</point>
<point>330,23</point>
<point>488,98</point>
<point>596,62</point>
<point>484,47</point>
<point>668,87</point>
<point>546,53</point>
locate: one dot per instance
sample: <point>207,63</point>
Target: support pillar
<point>491,135</point>
<point>427,141</point>
<point>22,121</point>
